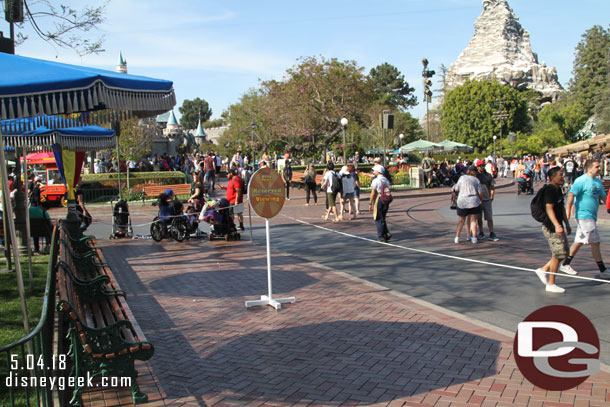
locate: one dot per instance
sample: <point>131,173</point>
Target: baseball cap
<point>479,162</point>
<point>378,168</point>
<point>169,191</point>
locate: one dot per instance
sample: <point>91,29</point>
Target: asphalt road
<point>491,281</point>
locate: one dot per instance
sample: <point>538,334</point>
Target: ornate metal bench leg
<point>136,394</point>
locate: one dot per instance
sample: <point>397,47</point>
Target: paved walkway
<point>345,342</point>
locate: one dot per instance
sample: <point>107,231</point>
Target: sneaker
<point>568,270</point>
<point>555,289</point>
<point>288,199</point>
<point>541,275</point>
<point>493,237</point>
<point>481,236</point>
<point>604,276</point>
<point>474,240</point>
<point>382,239</point>
<point>456,240</point>
<point>468,237</point>
<point>388,236</point>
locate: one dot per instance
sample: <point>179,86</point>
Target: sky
<point>217,50</point>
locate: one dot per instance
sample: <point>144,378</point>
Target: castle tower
<point>172,129</point>
<point>122,64</point>
<point>200,136</point>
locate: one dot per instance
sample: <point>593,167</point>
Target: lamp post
<point>400,138</point>
<point>494,152</point>
<point>253,126</point>
<point>344,125</point>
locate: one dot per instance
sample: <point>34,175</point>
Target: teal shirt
<point>587,194</point>
<point>38,213</point>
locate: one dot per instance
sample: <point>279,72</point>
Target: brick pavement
<point>345,341</point>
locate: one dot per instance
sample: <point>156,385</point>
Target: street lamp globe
<point>344,122</point>
<point>495,137</point>
<point>401,136</point>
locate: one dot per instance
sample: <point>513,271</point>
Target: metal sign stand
<point>268,299</point>
<point>266,186</point>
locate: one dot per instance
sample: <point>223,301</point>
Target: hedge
<point>136,178</point>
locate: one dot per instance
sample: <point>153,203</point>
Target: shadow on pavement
<point>336,362</point>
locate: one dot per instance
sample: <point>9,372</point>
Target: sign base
<point>275,303</point>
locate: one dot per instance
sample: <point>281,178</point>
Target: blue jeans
<point>210,175</point>
<point>380,223</point>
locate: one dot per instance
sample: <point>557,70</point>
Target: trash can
<point>416,175</point>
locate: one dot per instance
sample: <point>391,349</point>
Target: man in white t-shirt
<point>328,182</point>
<point>381,209</point>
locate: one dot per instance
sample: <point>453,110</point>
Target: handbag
<point>453,204</point>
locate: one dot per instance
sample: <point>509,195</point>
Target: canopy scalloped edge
<point>94,97</point>
<point>69,142</point>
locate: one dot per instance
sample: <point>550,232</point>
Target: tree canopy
<point>63,25</point>
<point>467,113</point>
<point>390,87</point>
<point>190,111</point>
<point>301,113</point>
<point>591,69</point>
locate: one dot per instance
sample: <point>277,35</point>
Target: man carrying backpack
<point>548,208</point>
<point>331,183</point>
<point>379,203</point>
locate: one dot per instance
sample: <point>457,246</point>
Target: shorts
<point>356,192</point>
<point>332,199</point>
<point>586,233</point>
<point>557,243</point>
<point>469,211</point>
<point>486,210</point>
<point>348,195</point>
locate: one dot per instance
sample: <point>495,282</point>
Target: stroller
<point>525,183</point>
<point>121,221</point>
<point>219,216</point>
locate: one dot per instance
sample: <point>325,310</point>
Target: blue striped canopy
<point>31,87</point>
<point>49,130</point>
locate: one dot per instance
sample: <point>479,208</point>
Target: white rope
<point>449,256</point>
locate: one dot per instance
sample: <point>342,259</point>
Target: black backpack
<point>537,206</point>
<point>337,185</point>
<point>244,183</point>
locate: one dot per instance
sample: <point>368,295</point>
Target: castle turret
<point>122,64</point>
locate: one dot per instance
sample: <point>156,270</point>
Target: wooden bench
<point>298,179</point>
<point>102,339</point>
<point>153,191</point>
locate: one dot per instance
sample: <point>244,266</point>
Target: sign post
<point>266,194</point>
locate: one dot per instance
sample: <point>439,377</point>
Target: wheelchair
<point>178,229</point>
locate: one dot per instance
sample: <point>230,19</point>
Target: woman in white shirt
<point>468,190</point>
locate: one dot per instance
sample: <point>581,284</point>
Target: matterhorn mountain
<point>500,49</point>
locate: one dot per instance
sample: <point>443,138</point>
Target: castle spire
<point>122,64</point>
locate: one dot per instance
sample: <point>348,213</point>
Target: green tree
<point>213,123</point>
<point>602,111</point>
<point>569,117</point>
<point>190,111</point>
<point>467,113</point>
<point>390,87</point>
<point>590,70</point>
<point>304,110</point>
<point>135,141</point>
<point>63,25</point>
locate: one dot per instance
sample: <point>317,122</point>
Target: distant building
<point>214,133</point>
<point>122,64</point>
<point>200,136</point>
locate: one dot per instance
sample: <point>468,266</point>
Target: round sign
<point>556,348</point>
<point>266,192</point>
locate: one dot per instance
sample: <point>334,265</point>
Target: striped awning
<point>40,133</point>
<point>32,87</point>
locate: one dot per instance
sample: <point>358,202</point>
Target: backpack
<point>537,206</point>
<point>244,184</point>
<point>385,195</point>
<point>336,186</point>
<point>494,170</point>
<point>288,173</point>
